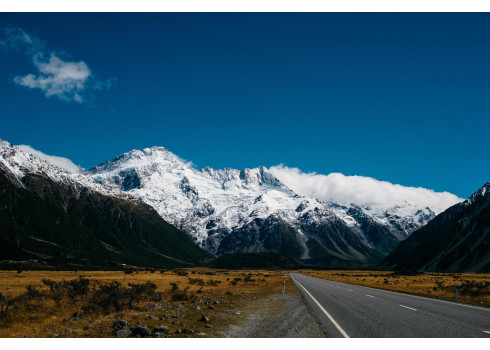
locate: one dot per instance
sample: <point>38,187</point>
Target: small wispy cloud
<point>361,190</point>
<point>56,76</point>
<point>63,163</point>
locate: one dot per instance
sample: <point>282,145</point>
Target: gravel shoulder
<point>277,316</point>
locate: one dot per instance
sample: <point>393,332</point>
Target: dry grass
<point>434,285</point>
<point>223,296</point>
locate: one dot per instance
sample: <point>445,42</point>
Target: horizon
<point>324,93</point>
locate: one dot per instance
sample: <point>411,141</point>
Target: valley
<point>197,302</point>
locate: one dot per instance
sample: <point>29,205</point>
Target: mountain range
<point>222,211</point>
<point>250,210</point>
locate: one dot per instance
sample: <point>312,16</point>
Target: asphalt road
<point>346,310</point>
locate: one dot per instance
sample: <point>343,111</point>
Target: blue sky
<point>399,97</point>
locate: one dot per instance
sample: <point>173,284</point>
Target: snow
<point>191,198</point>
<point>478,194</point>
<point>209,201</point>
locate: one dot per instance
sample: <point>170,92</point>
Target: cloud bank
<point>63,163</point>
<point>361,190</point>
<point>55,76</point>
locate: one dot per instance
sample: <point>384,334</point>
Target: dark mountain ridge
<point>68,223</point>
<point>457,240</point>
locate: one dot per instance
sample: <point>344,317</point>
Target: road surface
<point>346,310</point>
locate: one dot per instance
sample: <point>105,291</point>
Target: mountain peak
<point>139,159</point>
<point>4,143</point>
<point>484,190</point>
<point>156,150</point>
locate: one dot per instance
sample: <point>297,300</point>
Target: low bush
<point>178,294</point>
<point>115,297</point>
<point>248,278</point>
<point>470,288</point>
<point>235,281</point>
<point>92,298</point>
<point>73,289</point>
<point>213,282</point>
<point>198,281</point>
<point>475,289</point>
<point>5,304</point>
<point>181,272</point>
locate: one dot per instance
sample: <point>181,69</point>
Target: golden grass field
<point>221,301</point>
<point>225,297</point>
<point>428,284</point>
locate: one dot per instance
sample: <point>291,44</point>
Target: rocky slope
<point>53,215</point>
<point>456,240</point>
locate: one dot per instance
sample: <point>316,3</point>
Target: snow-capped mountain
<point>206,203</point>
<point>457,240</point>
<point>227,210</point>
<point>401,220</point>
<point>231,211</point>
<point>19,163</point>
<point>63,217</point>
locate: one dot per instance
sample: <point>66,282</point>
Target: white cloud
<point>64,79</point>
<point>361,190</point>
<point>63,163</point>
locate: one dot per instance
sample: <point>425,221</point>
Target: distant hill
<point>457,240</point>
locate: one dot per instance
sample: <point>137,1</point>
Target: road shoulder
<point>277,316</point>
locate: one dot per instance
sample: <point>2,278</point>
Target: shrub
<point>32,292</point>
<point>108,296</point>
<point>439,286</point>
<point>72,289</point>
<point>249,278</point>
<point>235,281</point>
<point>475,289</point>
<point>5,304</point>
<point>181,272</point>
<point>179,294</point>
<point>114,296</point>
<point>144,292</point>
<point>198,281</point>
<point>213,282</point>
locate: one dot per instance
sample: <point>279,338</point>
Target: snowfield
<point>209,204</point>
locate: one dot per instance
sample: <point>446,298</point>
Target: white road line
<point>324,311</point>
<point>414,296</point>
<point>369,296</point>
<point>337,286</point>
<point>487,332</point>
<point>350,290</point>
<point>406,307</point>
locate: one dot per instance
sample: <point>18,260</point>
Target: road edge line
<point>344,334</point>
